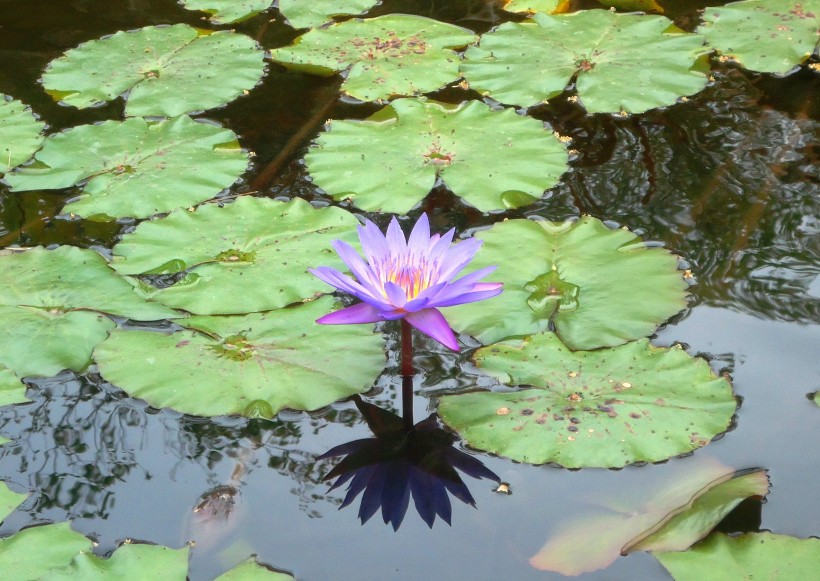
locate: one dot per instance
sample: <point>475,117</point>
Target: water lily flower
<point>407,279</point>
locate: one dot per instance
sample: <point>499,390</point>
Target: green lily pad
<point>20,133</point>
<point>749,556</point>
<point>695,520</point>
<point>392,55</point>
<point>12,389</point>
<point>771,36</point>
<point>35,552</point>
<point>131,561</point>
<point>390,162</point>
<point>531,6</point>
<point>51,305</point>
<point>605,408</point>
<point>250,570</point>
<point>598,287</point>
<point>633,5</point>
<point>281,357</point>
<point>136,168</point>
<point>704,495</point>
<point>9,500</point>
<point>623,62</point>
<point>301,14</point>
<point>257,245</point>
<point>226,11</point>
<point>165,70</point>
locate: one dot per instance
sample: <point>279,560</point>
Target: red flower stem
<point>407,373</point>
<point>406,349</point>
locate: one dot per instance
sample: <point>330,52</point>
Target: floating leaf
<point>50,308</point>
<point>9,500</point>
<point>598,287</point>
<point>257,245</point>
<point>692,522</point>
<point>389,162</point>
<point>20,133</point>
<point>595,541</point>
<point>226,11</point>
<point>749,556</point>
<point>282,357</point>
<point>12,390</point>
<point>302,14</point>
<point>165,70</point>
<point>605,408</point>
<point>250,570</point>
<point>129,561</point>
<point>634,5</point>
<point>626,62</point>
<point>530,6</point>
<point>136,168</point>
<point>387,56</point>
<point>771,36</point>
<point>35,552</point>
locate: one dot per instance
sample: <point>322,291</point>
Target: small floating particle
<point>502,411</point>
<point>572,428</point>
<point>573,374</point>
<point>503,488</point>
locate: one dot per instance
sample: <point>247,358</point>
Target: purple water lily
<point>407,279</point>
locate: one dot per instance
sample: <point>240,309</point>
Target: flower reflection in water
<point>401,463</point>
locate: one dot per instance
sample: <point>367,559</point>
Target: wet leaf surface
<point>301,14</point>
<point>771,36</point>
<point>605,408</point>
<point>383,57</point>
<point>227,11</point>
<point>136,168</point>
<point>623,62</point>
<point>704,495</point>
<point>261,246</point>
<point>250,570</point>
<point>53,309</point>
<point>599,287</point>
<point>165,70</point>
<point>281,357</point>
<point>749,556</point>
<point>20,133</point>
<point>9,500</point>
<point>390,162</point>
<point>12,390</point>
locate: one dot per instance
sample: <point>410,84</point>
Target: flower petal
<point>357,266</point>
<point>467,297</point>
<point>395,294</point>
<point>419,241</point>
<point>374,245</point>
<point>432,323</point>
<point>359,313</point>
<point>458,257</point>
<point>335,278</point>
<point>395,239</point>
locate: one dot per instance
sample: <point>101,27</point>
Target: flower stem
<point>407,373</point>
<point>406,349</point>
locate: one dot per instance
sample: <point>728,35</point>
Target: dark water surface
<point>728,180</point>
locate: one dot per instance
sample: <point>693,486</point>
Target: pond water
<point>728,180</point>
